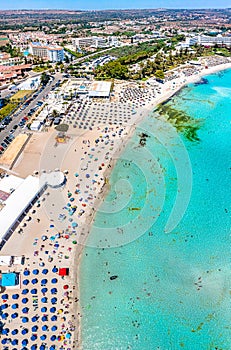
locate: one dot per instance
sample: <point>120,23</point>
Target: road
<point>23,113</point>
<point>80,59</point>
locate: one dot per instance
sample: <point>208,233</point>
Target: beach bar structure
<point>100,89</point>
<point>17,196</point>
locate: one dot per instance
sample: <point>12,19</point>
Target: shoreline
<point>179,84</point>
<point>89,222</point>
<point>87,192</point>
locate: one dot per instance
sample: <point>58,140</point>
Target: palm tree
<point>54,113</point>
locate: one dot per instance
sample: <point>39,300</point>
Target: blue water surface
<point>170,290</point>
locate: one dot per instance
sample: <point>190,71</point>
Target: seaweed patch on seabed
<point>202,81</point>
<point>183,122</point>
<point>211,103</point>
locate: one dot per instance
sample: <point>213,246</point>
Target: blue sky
<point>106,4</point>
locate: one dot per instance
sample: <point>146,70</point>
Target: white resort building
<point>206,40</point>
<point>96,42</point>
<point>48,52</point>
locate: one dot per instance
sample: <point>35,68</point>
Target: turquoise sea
<point>163,235</point>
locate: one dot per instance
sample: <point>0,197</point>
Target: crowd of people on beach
<point>47,297</point>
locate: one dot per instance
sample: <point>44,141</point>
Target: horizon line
<point>117,9</point>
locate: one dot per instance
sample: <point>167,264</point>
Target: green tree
<point>159,74</point>
<point>44,78</point>
<point>54,113</point>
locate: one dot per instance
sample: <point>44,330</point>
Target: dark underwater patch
<point>183,122</point>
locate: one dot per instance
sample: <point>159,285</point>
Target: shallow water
<point>170,258</point>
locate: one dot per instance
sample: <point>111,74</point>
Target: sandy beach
<point>56,233</point>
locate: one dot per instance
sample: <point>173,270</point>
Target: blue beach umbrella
<point>52,347</point>
<point>53,318</point>
<point>44,290</point>
<point>25,319</point>
<point>54,328</point>
<point>43,337</point>
<point>44,318</point>
<point>3,306</point>
<point>55,269</point>
<point>36,272</point>
<point>44,300</point>
<point>25,291</point>
<point>44,271</point>
<point>52,309</point>
<point>34,319</point>
<point>14,342</point>
<point>24,342</point>
<point>42,347</point>
<point>25,310</point>
<point>4,296</point>
<point>44,281</point>
<point>33,347</point>
<point>15,296</point>
<point>54,300</point>
<point>14,331</point>
<point>53,338</point>
<point>44,309</point>
<point>15,315</point>
<point>25,282</point>
<point>4,316</point>
<point>4,341</point>
<point>5,331</point>
<point>53,290</point>
<point>14,306</point>
<point>24,331</point>
<point>54,280</point>
<point>34,291</point>
<point>34,328</point>
<point>44,328</point>
<point>26,273</point>
<point>33,337</point>
<point>25,300</point>
<point>34,281</point>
